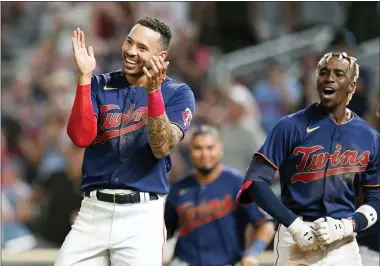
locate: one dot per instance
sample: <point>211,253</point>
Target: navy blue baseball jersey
<point>319,160</point>
<point>371,236</point>
<point>210,224</point>
<point>120,156</point>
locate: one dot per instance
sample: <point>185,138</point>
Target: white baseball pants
<point>106,234</point>
<point>344,252</point>
<point>369,257</point>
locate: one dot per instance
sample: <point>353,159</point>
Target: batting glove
<point>328,229</point>
<point>304,236</point>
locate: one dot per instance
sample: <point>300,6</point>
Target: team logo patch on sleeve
<point>187,116</point>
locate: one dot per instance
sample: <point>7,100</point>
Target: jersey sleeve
<point>254,214</point>
<point>279,142</point>
<point>371,177</point>
<point>171,217</point>
<point>180,108</point>
<point>95,86</point>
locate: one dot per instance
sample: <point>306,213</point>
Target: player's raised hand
<point>157,74</point>
<point>84,58</point>
<point>304,236</point>
<point>328,229</point>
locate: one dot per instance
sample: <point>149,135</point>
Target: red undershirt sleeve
<point>82,124</point>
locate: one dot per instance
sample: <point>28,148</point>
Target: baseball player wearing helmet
<point>129,121</point>
<point>319,151</point>
<point>202,209</point>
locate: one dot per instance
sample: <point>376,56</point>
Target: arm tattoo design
<point>163,136</point>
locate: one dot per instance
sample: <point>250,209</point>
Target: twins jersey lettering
<point>120,156</point>
<point>210,224</point>
<point>319,161</point>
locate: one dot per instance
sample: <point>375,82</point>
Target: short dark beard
<point>206,171</point>
<point>135,75</point>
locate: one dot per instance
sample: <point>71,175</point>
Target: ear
<point>163,54</point>
<point>221,149</point>
<point>352,87</point>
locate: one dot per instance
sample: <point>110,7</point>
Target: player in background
<point>369,240</point>
<point>202,208</point>
<point>129,121</point>
<point>319,152</point>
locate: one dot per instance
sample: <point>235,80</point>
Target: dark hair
<point>160,27</point>
<point>204,130</point>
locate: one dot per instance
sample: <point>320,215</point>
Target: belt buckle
<point>114,196</point>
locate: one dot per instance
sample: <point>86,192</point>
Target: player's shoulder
<point>364,125</point>
<point>366,130</point>
<point>171,86</point>
<point>300,119</point>
<point>109,80</point>
<point>302,116</point>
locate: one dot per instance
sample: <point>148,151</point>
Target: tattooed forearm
<point>162,135</point>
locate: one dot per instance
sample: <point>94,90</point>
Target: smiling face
<point>140,45</point>
<point>335,81</point>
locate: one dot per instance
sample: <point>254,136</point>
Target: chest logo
<point>193,216</point>
<point>315,165</point>
<point>113,123</point>
<point>108,88</point>
<point>309,130</point>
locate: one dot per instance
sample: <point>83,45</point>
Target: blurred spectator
<point>308,81</point>
<point>175,14</point>
<point>189,60</point>
<point>277,95</point>
<point>15,235</point>
<point>241,133</point>
<point>363,20</point>
<point>57,194</point>
<point>275,19</point>
<point>329,13</point>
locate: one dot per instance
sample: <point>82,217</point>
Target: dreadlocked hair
<point>353,65</point>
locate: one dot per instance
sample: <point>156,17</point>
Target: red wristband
<point>156,105</point>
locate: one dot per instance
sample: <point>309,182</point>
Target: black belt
<point>121,198</point>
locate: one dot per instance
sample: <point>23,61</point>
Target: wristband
<point>156,106</point>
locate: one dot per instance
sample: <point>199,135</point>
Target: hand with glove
<point>328,229</point>
<point>304,235</point>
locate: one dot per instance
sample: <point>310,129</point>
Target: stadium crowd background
<point>41,169</point>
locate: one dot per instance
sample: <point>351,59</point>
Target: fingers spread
<point>147,73</point>
<point>164,65</point>
<point>83,43</point>
<point>154,66</point>
<point>79,37</point>
<point>158,63</point>
<point>75,40</point>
